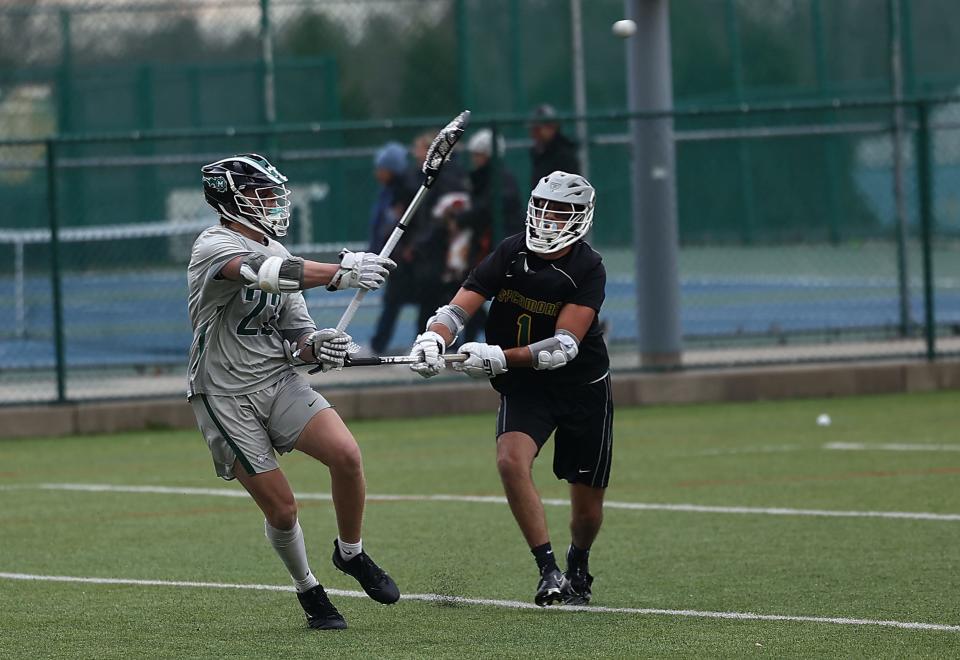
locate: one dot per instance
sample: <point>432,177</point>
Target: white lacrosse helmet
<point>560,212</point>
<point>481,142</point>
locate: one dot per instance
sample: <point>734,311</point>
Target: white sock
<point>293,553</point>
<point>349,550</point>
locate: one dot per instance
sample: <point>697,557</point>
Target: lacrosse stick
<point>438,153</point>
<point>378,360</point>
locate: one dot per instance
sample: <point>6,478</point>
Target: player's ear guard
<point>272,274</point>
<point>554,352</point>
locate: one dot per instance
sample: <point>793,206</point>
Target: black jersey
<point>528,293</point>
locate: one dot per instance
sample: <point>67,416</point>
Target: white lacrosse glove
<point>329,347</point>
<point>361,270</point>
<point>428,348</point>
<point>483,360</point>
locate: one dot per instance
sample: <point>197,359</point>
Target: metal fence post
<point>899,196</point>
<point>653,197</point>
<point>65,74</point>
<point>463,53</point>
<point>518,92</point>
<point>925,194</point>
<point>579,85</point>
<point>496,171</point>
<point>744,161</point>
<point>266,61</point>
<point>53,213</point>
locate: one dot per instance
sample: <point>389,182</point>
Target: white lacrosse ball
<point>624,28</point>
<point>823,419</point>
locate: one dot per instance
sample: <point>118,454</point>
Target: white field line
<point>489,499</point>
<point>510,604</point>
<point>890,446</point>
<point>769,449</point>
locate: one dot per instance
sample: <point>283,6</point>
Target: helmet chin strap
<point>240,220</point>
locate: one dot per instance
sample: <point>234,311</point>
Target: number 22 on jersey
<point>249,295</point>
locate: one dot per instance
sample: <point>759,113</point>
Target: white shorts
<point>253,428</point>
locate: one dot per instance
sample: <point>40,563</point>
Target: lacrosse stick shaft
<point>379,360</point>
<point>437,155</point>
<point>391,243</point>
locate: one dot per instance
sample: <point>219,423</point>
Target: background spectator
<point>551,150</point>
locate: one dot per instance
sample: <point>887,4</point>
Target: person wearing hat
<point>389,165</point>
<point>421,250</point>
<point>551,150</point>
<point>474,221</point>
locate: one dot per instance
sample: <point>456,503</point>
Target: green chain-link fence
<point>789,225</point>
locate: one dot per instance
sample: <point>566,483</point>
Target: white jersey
<point>238,331</point>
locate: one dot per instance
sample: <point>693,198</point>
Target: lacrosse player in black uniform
<point>547,358</point>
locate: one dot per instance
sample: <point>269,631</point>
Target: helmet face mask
<point>559,213</point>
<point>249,190</point>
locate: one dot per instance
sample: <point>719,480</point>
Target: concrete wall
<point>448,398</point>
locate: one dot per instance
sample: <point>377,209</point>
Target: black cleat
<point>550,588</point>
<point>576,587</point>
<point>321,614</point>
<point>374,580</point>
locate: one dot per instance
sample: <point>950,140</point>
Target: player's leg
<point>516,451</point>
<point>586,514</point>
<point>326,438</point>
<point>272,493</point>
<point>241,449</point>
<point>586,517</point>
<point>515,454</point>
<point>584,449</point>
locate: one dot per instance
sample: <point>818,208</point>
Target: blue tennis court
<point>140,319</point>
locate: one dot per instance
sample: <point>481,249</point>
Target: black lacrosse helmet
<point>247,189</point>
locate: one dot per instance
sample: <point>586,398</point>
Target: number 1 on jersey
<point>524,321</point>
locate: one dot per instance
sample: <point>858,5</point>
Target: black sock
<point>544,556</point>
<point>577,558</point>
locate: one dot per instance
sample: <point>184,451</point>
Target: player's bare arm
<point>358,270</point>
<point>442,330</point>
<point>467,301</point>
<point>572,325</point>
<point>488,360</point>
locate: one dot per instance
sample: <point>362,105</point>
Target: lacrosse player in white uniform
<point>250,326</point>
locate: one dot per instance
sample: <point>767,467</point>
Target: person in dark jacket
<point>421,252</point>
<point>474,222</point>
<point>551,150</point>
<point>390,167</point>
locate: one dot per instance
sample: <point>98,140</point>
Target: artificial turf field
<point>758,543</point>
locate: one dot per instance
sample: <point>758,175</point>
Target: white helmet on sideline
<point>560,212</point>
<point>481,142</point>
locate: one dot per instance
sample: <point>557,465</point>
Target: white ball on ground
<point>624,28</point>
<point>823,420</point>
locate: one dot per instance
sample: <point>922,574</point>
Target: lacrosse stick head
<point>442,146</point>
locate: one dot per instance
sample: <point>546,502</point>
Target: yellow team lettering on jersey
<point>529,304</point>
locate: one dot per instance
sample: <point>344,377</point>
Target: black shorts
<point>582,417</point>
